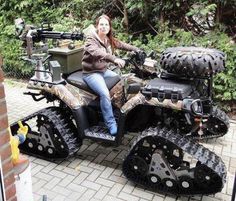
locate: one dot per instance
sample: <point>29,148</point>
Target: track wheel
<point>40,147</point>
<point>185,183</point>
<point>138,166</point>
<point>50,150</point>
<point>154,180</point>
<point>169,184</point>
<point>31,143</point>
<point>205,177</point>
<point>51,130</point>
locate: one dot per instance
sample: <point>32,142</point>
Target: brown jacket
<point>97,55</point>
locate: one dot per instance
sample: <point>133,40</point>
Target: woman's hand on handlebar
<point>120,62</point>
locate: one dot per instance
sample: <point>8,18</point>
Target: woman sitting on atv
<point>98,53</point>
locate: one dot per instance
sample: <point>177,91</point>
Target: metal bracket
<point>160,166</point>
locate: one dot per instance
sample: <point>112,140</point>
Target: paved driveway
<point>95,172</point>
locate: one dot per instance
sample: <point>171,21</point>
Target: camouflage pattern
<point>167,103</point>
<point>22,28</point>
<point>65,93</point>
<point>140,99</point>
<point>117,93</point>
<point>150,66</point>
<point>131,78</point>
<point>75,97</point>
<point>81,95</point>
<point>133,102</point>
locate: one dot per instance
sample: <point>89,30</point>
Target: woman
<point>98,53</point>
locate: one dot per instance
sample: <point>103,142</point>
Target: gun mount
<point>38,52</point>
<point>41,34</point>
<point>31,35</point>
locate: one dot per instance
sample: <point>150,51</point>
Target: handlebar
<point>137,59</point>
<point>142,65</point>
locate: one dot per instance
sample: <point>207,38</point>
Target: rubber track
<point>220,116</point>
<point>67,134</point>
<point>62,125</point>
<point>202,154</point>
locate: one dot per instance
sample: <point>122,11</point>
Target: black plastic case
<point>167,89</point>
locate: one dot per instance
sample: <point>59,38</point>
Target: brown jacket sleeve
<point>93,47</point>
<point>124,46</point>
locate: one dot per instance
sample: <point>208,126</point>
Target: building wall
<point>5,149</point>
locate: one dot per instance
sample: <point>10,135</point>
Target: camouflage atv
<point>170,109</point>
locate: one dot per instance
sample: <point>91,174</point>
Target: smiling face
<point>103,27</point>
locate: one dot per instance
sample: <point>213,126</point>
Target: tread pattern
<point>204,156</point>
<point>192,61</point>
<point>64,144</point>
<point>216,126</point>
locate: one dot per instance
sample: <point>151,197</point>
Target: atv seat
<point>76,79</point>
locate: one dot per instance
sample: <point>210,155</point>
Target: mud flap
<point>121,127</point>
<point>81,120</point>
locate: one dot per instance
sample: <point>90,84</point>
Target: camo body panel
<point>167,103</point>
<point>140,99</point>
<point>131,78</point>
<point>117,92</point>
<point>150,65</point>
<point>81,95</point>
<point>66,93</point>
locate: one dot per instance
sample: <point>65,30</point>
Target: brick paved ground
<point>95,172</point>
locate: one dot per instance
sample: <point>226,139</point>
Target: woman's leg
<point>109,73</point>
<point>97,83</point>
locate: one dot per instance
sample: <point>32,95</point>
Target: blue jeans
<point>97,83</point>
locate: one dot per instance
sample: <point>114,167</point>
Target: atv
<point>171,109</point>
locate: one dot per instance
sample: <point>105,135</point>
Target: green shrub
<point>11,50</point>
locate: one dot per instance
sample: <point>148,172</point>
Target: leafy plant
<point>11,51</point>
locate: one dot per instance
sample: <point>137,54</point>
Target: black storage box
<point>168,89</point>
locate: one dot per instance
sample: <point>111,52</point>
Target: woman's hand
<point>119,62</point>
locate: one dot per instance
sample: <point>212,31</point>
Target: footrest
<point>99,132</point>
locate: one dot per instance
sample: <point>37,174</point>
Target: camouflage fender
<point>140,99</point>
<point>133,102</point>
<point>167,103</point>
<point>69,94</point>
<point>84,96</point>
<point>131,78</point>
<point>117,92</point>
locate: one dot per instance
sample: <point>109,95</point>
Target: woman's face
<point>103,26</point>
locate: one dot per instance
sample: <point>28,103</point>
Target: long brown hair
<point>110,34</point>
